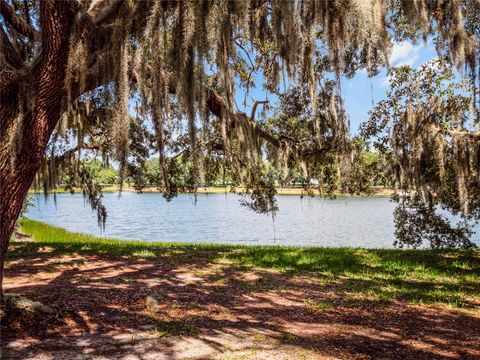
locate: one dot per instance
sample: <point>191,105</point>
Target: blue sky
<point>357,91</point>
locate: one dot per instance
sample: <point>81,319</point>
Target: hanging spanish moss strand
<point>462,170</point>
<point>121,116</point>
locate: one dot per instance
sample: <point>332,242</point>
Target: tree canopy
<point>429,122</point>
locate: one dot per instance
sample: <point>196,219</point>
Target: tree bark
<point>16,177</point>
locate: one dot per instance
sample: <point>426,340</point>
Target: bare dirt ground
<point>97,307</point>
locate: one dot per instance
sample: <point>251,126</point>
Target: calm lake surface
<point>219,218</point>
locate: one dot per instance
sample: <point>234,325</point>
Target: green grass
<point>66,241</point>
<point>356,275</point>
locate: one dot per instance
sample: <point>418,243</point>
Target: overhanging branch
<point>16,22</point>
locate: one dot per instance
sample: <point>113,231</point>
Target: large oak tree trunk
<point>47,89</point>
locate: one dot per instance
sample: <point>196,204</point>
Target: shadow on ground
<point>189,302</point>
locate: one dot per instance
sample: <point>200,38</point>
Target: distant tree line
<point>373,170</point>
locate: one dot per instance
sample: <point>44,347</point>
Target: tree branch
<point>17,22</point>
<point>218,106</point>
<point>67,153</point>
<point>254,108</point>
<point>8,54</point>
<point>475,135</point>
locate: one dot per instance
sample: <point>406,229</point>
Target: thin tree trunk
<point>56,18</point>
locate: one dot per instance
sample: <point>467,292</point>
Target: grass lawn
<point>219,301</point>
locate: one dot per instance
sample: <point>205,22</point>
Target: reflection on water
<point>219,218</point>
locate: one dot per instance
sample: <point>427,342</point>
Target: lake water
<point>219,218</point>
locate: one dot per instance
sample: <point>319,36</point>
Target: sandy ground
<point>97,307</point>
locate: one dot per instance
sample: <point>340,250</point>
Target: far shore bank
<point>298,191</point>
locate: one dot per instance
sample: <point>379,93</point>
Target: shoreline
<point>44,232</point>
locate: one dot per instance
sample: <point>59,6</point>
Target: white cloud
<point>404,53</point>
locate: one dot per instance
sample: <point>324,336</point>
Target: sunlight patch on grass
<point>144,253</point>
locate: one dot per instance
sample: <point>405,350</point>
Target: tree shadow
<point>187,302</point>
